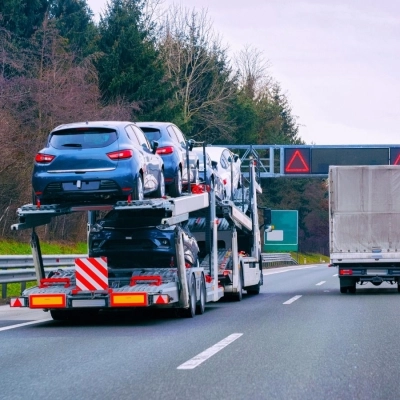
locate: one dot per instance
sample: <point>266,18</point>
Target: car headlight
<point>96,228</point>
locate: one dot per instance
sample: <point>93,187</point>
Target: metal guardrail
<point>277,259</point>
<point>19,269</point>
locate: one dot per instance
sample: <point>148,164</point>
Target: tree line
<point>139,62</point>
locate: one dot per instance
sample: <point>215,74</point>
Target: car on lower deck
<point>175,150</point>
<point>97,161</point>
<point>132,239</point>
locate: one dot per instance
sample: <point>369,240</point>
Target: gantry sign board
<point>316,160</point>
<point>285,232</point>
<point>312,160</point>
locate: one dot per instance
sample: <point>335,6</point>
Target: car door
<point>181,142</point>
<point>153,164</point>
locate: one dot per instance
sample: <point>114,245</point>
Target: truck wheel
<point>60,315</point>
<point>398,286</point>
<point>202,302</point>
<point>343,289</point>
<point>191,311</point>
<point>352,288</point>
<point>239,295</point>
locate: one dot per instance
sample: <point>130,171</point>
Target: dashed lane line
<point>320,283</point>
<point>206,354</point>
<point>335,275</point>
<point>290,301</point>
<point>6,328</point>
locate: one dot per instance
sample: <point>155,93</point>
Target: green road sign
<point>284,236</point>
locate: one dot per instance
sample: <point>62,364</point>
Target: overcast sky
<point>337,60</point>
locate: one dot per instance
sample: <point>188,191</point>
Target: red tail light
<point>44,158</point>
<point>162,151</point>
<point>120,155</point>
<point>345,272</point>
<point>225,181</point>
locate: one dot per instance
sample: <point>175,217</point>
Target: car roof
<point>102,124</point>
<point>215,150</point>
<point>154,124</point>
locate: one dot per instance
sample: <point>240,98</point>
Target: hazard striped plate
<point>91,273</point>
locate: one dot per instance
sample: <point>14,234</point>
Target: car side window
<point>172,134</point>
<point>131,135</point>
<point>224,162</point>
<point>179,135</point>
<point>228,156</point>
<point>141,137</point>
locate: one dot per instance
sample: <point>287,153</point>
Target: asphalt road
<point>298,339</point>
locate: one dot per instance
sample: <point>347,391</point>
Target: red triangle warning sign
<point>297,163</point>
<point>15,303</point>
<point>160,300</point>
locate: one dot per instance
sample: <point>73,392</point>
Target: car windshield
<point>83,138</point>
<point>151,133</point>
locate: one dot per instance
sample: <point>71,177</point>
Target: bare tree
<point>197,67</point>
<point>253,77</point>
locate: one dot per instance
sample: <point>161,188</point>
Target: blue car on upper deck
<point>97,161</point>
<point>173,148</point>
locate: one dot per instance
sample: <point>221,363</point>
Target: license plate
<point>81,185</point>
<point>377,272</point>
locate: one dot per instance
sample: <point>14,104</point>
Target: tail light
<point>120,155</point>
<point>346,272</point>
<point>44,158</point>
<point>225,181</point>
<point>162,151</point>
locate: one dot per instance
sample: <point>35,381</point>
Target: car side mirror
<point>154,146</point>
<point>235,157</point>
<point>214,164</point>
<point>190,144</point>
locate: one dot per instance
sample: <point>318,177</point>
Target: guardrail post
<point>4,290</point>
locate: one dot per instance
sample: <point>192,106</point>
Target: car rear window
<point>83,138</point>
<point>151,133</point>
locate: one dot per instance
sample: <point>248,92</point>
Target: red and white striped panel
<point>91,273</point>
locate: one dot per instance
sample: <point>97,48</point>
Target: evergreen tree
<point>130,67</point>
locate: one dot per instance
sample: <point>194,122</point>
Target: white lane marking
<point>6,328</point>
<point>281,271</point>
<point>290,301</point>
<point>335,275</point>
<point>320,283</point>
<point>206,354</point>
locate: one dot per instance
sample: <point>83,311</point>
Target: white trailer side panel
<point>364,212</point>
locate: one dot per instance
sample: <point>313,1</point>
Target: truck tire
<point>201,304</point>
<point>60,315</point>
<point>191,311</point>
<point>238,295</point>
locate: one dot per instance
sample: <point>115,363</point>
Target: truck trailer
<point>222,262</point>
<point>364,234</point>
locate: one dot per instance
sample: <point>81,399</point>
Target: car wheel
<point>138,192</point>
<point>175,189</point>
<point>160,192</point>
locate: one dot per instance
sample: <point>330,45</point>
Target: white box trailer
<point>94,285</point>
<point>364,210</point>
